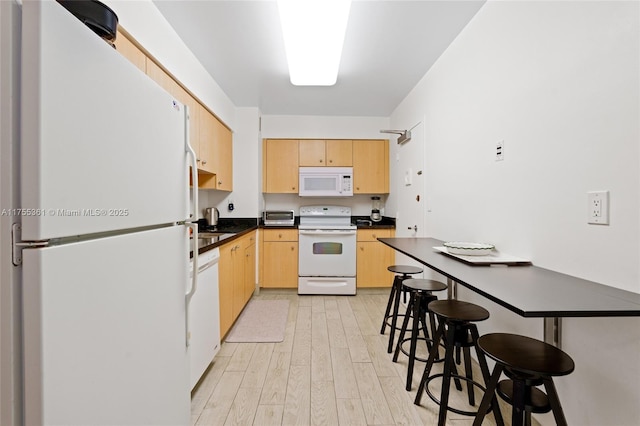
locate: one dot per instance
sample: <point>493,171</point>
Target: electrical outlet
<point>500,151</point>
<point>598,207</point>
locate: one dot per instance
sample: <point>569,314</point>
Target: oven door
<point>327,253</point>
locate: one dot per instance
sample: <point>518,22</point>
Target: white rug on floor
<point>261,321</point>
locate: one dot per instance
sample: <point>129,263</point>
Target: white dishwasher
<point>204,316</point>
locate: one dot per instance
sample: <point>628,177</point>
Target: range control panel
<point>335,211</point>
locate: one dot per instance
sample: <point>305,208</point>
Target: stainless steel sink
<point>212,234</point>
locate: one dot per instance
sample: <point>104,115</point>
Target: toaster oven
<point>278,217</point>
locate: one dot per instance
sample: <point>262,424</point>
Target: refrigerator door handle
<point>193,225</point>
<point>194,167</point>
<point>194,279</point>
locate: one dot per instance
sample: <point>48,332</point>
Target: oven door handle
<point>327,232</point>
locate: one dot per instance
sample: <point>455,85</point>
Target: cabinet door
<point>280,267</point>
<point>280,166</point>
<point>207,136</point>
<point>225,276</point>
<point>223,156</point>
<point>250,268</point>
<point>131,52</point>
<point>339,153</point>
<point>372,260</point>
<point>371,166</point>
<point>238,278</point>
<point>312,153</point>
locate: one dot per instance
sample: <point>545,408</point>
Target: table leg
<point>452,289</point>
<point>553,331</point>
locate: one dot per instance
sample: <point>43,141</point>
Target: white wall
<point>558,82</point>
<point>322,127</point>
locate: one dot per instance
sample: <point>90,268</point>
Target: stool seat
<point>404,269</point>
<point>526,355</point>
<point>527,362</point>
<point>457,310</point>
<point>424,284</point>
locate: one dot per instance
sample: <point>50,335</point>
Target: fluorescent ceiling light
<point>313,37</point>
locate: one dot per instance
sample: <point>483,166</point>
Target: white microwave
<point>326,182</point>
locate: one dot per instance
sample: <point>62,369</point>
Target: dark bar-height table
<point>529,291</point>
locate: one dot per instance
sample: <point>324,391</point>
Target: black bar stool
<point>420,291</point>
<point>527,362</point>
<point>405,272</point>
<point>456,319</point>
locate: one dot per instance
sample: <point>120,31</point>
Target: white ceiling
<point>389,46</point>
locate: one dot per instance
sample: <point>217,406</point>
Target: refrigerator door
<point>104,331</point>
<point>103,146</point>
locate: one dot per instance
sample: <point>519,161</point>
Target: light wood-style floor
<point>331,369</point>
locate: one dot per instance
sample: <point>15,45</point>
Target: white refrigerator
<point>103,242</point>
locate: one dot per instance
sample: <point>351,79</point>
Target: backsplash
<point>360,204</point>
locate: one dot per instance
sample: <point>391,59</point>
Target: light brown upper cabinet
<point>211,140</point>
<point>223,156</point>
<point>371,166</point>
<point>280,165</point>
<point>131,51</point>
<point>320,153</point>
<point>207,140</point>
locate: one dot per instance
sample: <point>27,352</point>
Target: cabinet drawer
<point>373,234</point>
<point>280,235</point>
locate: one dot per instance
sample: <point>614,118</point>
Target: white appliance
<point>204,316</point>
<point>326,182</point>
<point>102,245</point>
<point>327,251</point>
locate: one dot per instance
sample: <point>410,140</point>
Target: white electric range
<point>327,251</point>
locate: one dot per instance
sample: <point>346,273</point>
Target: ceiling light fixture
<point>313,33</point>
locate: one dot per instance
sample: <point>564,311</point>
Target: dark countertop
<point>528,291</point>
<point>231,229</point>
<point>235,228</point>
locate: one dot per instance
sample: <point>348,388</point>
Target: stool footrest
<point>537,401</point>
<point>449,408</point>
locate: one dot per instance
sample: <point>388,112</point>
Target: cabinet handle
<point>219,183</point>
<point>374,236</point>
<point>293,187</point>
<point>292,248</point>
<point>321,161</point>
<point>279,235</point>
<point>204,161</point>
<point>331,161</point>
<point>198,160</point>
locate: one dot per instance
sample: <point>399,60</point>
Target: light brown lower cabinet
<point>279,255</point>
<point>236,278</point>
<point>373,258</point>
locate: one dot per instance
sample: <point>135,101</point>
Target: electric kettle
<point>211,214</point>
